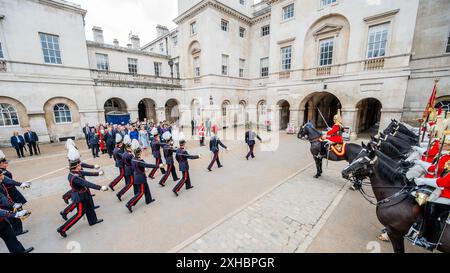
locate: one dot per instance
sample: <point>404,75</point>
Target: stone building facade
<point>230,60</point>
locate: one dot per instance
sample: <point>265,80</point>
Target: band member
<point>182,157</point>
<point>80,195</point>
<point>436,212</point>
<point>168,151</point>
<point>66,197</point>
<point>140,184</point>
<point>214,144</point>
<point>334,135</point>
<point>127,161</point>
<point>250,139</point>
<point>430,155</point>
<point>8,213</point>
<point>156,152</point>
<point>117,153</point>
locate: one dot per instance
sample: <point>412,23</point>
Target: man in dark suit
<point>86,131</point>
<point>110,139</point>
<point>94,142</point>
<point>18,143</point>
<point>31,139</point>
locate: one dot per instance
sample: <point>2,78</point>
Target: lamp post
<point>171,69</point>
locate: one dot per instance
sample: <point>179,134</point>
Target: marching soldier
<point>15,194</point>
<point>8,188</point>
<point>127,161</point>
<point>9,212</point>
<point>140,184</point>
<point>182,157</point>
<point>156,152</point>
<point>168,151</point>
<point>214,144</point>
<point>250,139</point>
<point>80,195</point>
<point>117,154</point>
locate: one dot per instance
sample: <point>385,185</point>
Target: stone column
<point>134,113</point>
<point>301,116</point>
<point>160,114</point>
<point>349,117</point>
<point>294,117</point>
<point>38,125</point>
<point>387,115</point>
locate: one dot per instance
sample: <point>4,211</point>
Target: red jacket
<point>334,134</point>
<point>432,153</point>
<point>201,130</point>
<point>444,182</point>
<point>432,169</point>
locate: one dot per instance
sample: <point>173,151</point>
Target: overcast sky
<point>118,17</point>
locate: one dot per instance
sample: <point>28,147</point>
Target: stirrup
<point>412,234</point>
<point>423,242</point>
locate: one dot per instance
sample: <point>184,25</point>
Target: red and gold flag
<point>431,101</point>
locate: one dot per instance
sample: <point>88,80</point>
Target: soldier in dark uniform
<point>140,184</point>
<point>15,194</point>
<point>117,153</point>
<point>168,151</point>
<point>156,152</point>
<point>250,139</point>
<point>9,188</point>
<point>80,195</point>
<point>127,161</point>
<point>182,157</point>
<point>8,213</point>
<point>214,144</point>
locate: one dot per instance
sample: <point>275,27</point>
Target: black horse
<point>396,209</point>
<point>396,126</point>
<point>388,149</point>
<point>319,151</point>
<point>400,144</point>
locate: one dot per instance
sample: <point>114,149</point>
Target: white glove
<point>104,188</point>
<point>426,182</point>
<point>96,167</point>
<point>25,185</point>
<point>328,129</point>
<point>17,205</point>
<point>100,173</point>
<point>21,213</point>
<point>228,149</point>
<point>199,156</point>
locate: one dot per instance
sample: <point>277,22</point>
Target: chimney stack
<point>135,42</point>
<point>116,42</point>
<point>161,30</point>
<point>130,46</point>
<point>98,34</point>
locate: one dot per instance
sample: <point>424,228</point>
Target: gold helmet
<point>337,118</point>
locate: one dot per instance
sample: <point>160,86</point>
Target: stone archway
<point>172,111</point>
<point>115,105</point>
<point>369,115</point>
<point>196,113</point>
<point>62,118</point>
<point>325,102</point>
<point>226,114</point>
<point>284,107</point>
<point>147,109</point>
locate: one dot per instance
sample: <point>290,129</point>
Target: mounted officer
<point>334,134</point>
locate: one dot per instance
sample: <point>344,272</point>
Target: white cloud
<point>118,17</point>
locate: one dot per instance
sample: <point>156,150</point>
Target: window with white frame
<point>102,61</point>
<point>241,32</point>
<point>50,48</point>
<point>157,68</point>
<point>376,46</point>
<point>264,67</point>
<point>241,68</point>
<point>193,28</point>
<point>286,58</point>
<point>242,2</point>
<point>225,59</point>
<point>224,25</point>
<point>1,52</point>
<point>326,51</point>
<point>62,113</point>
<point>197,67</point>
<point>288,12</point>
<point>326,2</point>
<point>8,115</point>
<point>447,50</point>
<point>132,66</point>
<point>175,40</point>
<point>265,30</point>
